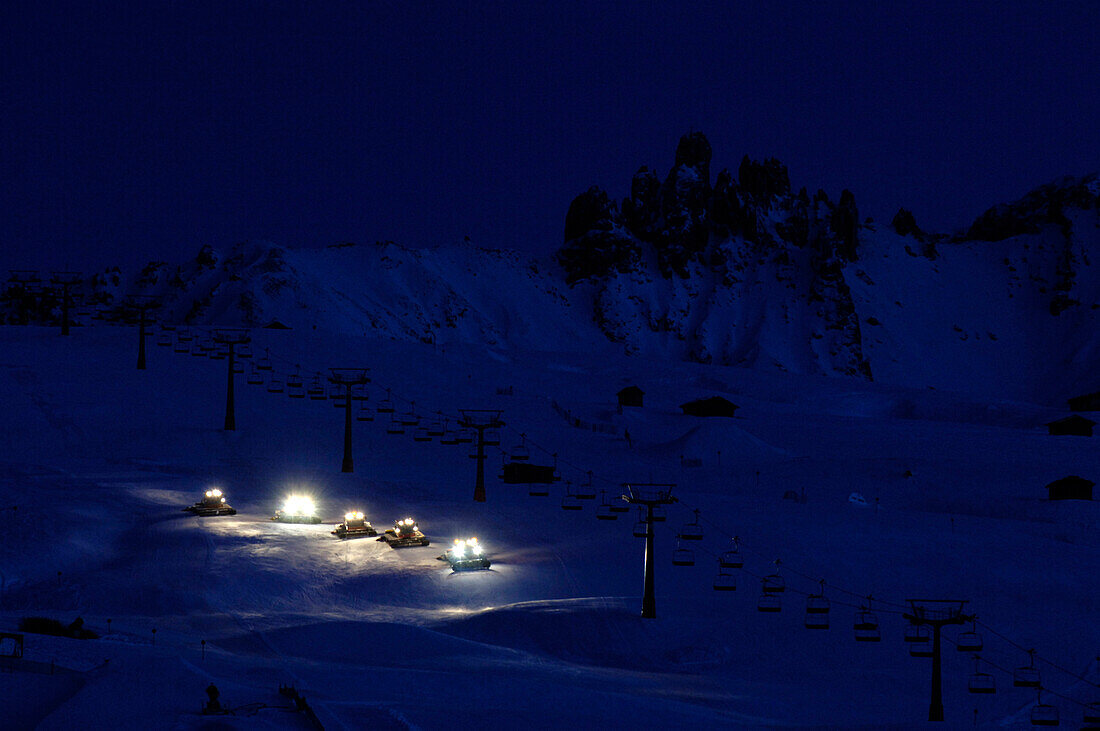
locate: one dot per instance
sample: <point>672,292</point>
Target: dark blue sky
<point>148,129</point>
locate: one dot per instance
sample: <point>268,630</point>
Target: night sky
<point>144,130</point>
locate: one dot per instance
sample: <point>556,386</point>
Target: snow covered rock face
<point>742,273</point>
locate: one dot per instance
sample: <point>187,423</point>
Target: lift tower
<point>650,495</point>
<point>936,613</point>
<point>231,338</point>
<point>348,377</point>
<point>66,280</point>
<point>142,303</point>
<point>480,419</point>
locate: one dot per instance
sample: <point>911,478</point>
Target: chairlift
<point>866,625</point>
<point>184,335</point>
<point>164,340</point>
<point>364,414</point>
<point>395,426</point>
<point>238,366</point>
<point>421,435</point>
<point>770,603</point>
<point>620,506</point>
<point>359,394</point>
<point>264,364</point>
<point>254,377</point>
<point>244,350</point>
<point>774,583</point>
<point>569,501</point>
<point>385,406</point>
<point>294,380</point>
<point>660,515</point>
<point>683,556</point>
<point>492,437</point>
<point>983,683</point>
<point>538,489</point>
<point>181,346</point>
<point>449,437</point>
<point>1043,714</point>
<point>641,527</point>
<point>520,452</point>
<point>197,350</point>
<point>603,510</point>
<point>724,580</point>
<point>817,610</point>
<point>274,386</point>
<point>732,559</point>
<point>436,428</point>
<point>586,491</point>
<point>1027,676</point>
<point>465,435</point>
<point>295,390</point>
<point>409,418</point>
<point>919,638</point>
<point>217,351</point>
<point>316,390</point>
<point>969,641</point>
<point>692,531</point>
<point>1092,714</point>
<point>338,395</point>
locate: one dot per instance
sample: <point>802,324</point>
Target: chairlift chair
<point>197,350</point>
<point>295,391</point>
<point>520,452</point>
<point>603,510</point>
<point>385,406</point>
<point>184,335</point>
<point>768,602</point>
<point>586,491</point>
<point>465,435</point>
<point>181,346</point>
<point>492,437</point>
<point>164,340</point>
<point>238,366</point>
<point>692,531</point>
<point>395,426</point>
<point>981,683</point>
<point>620,506</point>
<point>421,435</point>
<point>1092,714</point>
<point>732,559</point>
<point>1043,714</point>
<point>774,583</point>
<point>255,378</point>
<point>660,515</point>
<point>724,580</point>
<point>316,390</point>
<point>866,627</point>
<point>244,350</point>
<point>359,394</point>
<point>409,418</point>
<point>449,437</point>
<point>275,386</point>
<point>1027,676</point>
<point>817,610</point>
<point>538,489</point>
<point>436,428</point>
<point>364,414</point>
<point>641,527</point>
<point>569,501</point>
<point>294,380</point>
<point>969,641</point>
<point>683,556</point>
<point>264,364</point>
<point>217,353</point>
<point>919,638</point>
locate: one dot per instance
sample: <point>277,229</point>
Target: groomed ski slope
<point>101,458</point>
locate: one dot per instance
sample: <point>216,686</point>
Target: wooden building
<point>1070,488</point>
<point>1072,426</point>
<point>631,396</point>
<point>1085,402</point>
<point>713,406</point>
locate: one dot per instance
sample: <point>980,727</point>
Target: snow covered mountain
<point>744,271</point>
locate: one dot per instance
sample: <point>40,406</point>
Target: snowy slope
<point>102,457</point>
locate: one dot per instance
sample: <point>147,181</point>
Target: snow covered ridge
<point>743,272</point>
<point>747,272</point>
